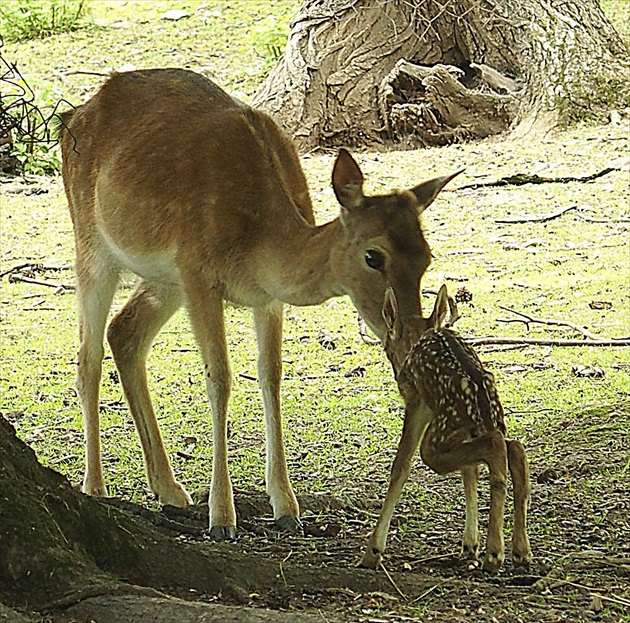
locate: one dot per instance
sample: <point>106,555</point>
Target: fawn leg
<point>415,425</point>
<point>470,539</point>
<point>519,469</point>
<point>490,448</point>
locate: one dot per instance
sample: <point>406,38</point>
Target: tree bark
<point>421,72</point>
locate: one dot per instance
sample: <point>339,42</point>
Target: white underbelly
<point>154,266</point>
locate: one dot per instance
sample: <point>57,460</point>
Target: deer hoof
<point>175,496</point>
<point>470,551</point>
<point>223,533</point>
<point>371,559</point>
<point>287,523</point>
<point>492,561</point>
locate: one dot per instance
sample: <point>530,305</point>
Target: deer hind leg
<point>491,449</point>
<point>96,285</point>
<point>519,470</point>
<point>130,336</point>
<point>470,539</point>
<point>268,322</point>
<point>415,425</point>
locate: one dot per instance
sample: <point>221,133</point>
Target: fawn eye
<point>375,259</point>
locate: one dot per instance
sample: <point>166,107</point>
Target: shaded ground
<point>580,522</point>
<point>579,527</point>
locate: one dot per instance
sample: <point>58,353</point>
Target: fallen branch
<point>520,179</point>
<point>34,266</point>
<point>526,319</point>
<point>547,342</point>
<point>535,219</point>
<point>41,282</point>
<point>590,219</point>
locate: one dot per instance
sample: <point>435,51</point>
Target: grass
<point>341,430</point>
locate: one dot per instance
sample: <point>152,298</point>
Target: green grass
<point>341,431</point>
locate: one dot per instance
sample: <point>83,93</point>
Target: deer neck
<point>304,268</point>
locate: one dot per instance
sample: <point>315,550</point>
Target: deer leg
<point>205,308</point>
<point>519,469</point>
<point>130,336</point>
<point>497,464</point>
<point>416,422</point>
<point>268,322</point>
<point>95,291</point>
<point>470,540</point>
<point>491,449</point>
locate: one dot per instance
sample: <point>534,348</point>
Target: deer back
<point>448,376</point>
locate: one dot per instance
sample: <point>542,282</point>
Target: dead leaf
<point>358,371</point>
<point>175,14</point>
<point>600,305</point>
<point>326,340</point>
<point>588,372</point>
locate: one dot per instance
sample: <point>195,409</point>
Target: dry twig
<point>526,319</point>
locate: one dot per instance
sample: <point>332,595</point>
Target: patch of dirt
<point>579,530</point>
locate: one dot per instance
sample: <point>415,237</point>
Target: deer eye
<point>375,259</point>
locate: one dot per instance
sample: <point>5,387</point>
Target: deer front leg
<point>415,425</point>
<point>470,539</point>
<point>519,469</point>
<point>205,308</point>
<point>268,322</point>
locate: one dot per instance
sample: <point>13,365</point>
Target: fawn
<point>453,411</point>
<point>205,200</point>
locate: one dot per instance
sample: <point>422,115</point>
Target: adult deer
<point>205,200</point>
<point>453,411</point>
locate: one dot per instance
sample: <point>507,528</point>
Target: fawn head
<point>384,244</point>
<point>404,332</point>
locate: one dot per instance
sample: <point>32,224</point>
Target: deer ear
<point>426,192</point>
<point>391,316</point>
<point>440,309</point>
<point>347,180</point>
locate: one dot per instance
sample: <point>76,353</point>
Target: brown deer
<point>205,200</point>
<point>452,410</point>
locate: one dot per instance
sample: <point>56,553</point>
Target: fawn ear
<point>440,309</point>
<point>391,316</point>
<point>426,192</point>
<point>347,180</point>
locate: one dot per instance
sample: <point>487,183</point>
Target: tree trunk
<point>426,72</point>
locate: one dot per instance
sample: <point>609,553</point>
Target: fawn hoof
<point>371,559</point>
<point>493,561</point>
<point>521,553</point>
<point>223,533</point>
<point>288,523</point>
